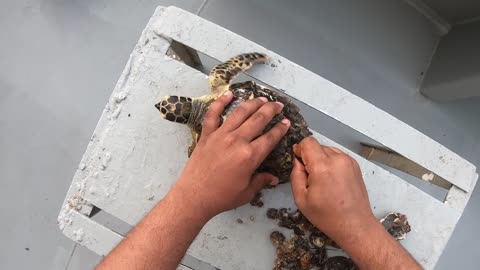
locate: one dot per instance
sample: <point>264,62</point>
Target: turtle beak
<point>157,106</point>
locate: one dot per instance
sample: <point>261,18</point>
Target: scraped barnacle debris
<point>294,253</point>
<point>338,263</point>
<point>257,200</point>
<point>296,216</point>
<point>277,238</point>
<point>396,225</point>
<point>317,240</point>
<point>307,248</point>
<point>272,213</point>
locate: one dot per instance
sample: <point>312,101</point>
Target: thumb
<point>298,178</point>
<point>297,150</point>
<point>259,181</point>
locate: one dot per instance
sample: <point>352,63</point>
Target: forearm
<point>371,247</point>
<point>161,239</point>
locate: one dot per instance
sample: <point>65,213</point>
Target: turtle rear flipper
<point>222,74</point>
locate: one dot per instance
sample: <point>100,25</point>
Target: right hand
<point>328,189</point>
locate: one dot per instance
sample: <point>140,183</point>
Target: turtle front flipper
<point>222,74</point>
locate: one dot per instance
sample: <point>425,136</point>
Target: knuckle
<point>215,106</point>
<point>307,141</point>
<point>260,117</point>
<point>242,109</point>
<point>211,111</point>
<point>208,116</point>
<point>207,121</point>
<point>344,160</point>
<point>234,117</point>
<point>258,102</point>
<point>271,137</point>
<point>271,108</point>
<point>280,129</point>
<point>245,152</point>
<point>321,166</point>
<point>335,149</point>
<point>355,163</point>
<point>317,169</point>
<point>230,139</point>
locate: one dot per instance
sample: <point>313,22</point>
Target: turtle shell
<point>280,161</point>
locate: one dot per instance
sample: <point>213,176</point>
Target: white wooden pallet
<point>126,170</point>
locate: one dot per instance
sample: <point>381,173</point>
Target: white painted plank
<point>321,94</point>
<point>140,173</point>
<point>458,198</point>
<point>135,156</point>
<point>90,234</point>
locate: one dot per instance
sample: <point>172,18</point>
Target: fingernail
<point>285,121</point>
<point>264,99</point>
<point>274,182</point>
<point>227,93</point>
<point>281,104</point>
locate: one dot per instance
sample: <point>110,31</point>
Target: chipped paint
<point>428,176</point>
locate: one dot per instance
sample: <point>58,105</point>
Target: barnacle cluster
<point>307,248</point>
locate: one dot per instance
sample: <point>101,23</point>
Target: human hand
<point>219,174</point>
<point>328,188</point>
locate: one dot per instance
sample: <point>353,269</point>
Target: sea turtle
<point>191,110</point>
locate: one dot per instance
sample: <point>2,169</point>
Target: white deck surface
<point>125,171</point>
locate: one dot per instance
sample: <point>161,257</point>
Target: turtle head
<point>175,108</point>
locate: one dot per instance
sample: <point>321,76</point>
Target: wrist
<point>190,203</point>
<point>363,240</point>
<point>356,232</point>
<point>372,247</point>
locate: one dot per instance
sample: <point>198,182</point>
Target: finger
<point>243,112</point>
<point>211,121</point>
<point>299,181</point>
<point>259,181</point>
<point>309,150</point>
<point>264,144</point>
<point>257,122</point>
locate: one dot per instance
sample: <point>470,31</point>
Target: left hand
<point>219,175</point>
